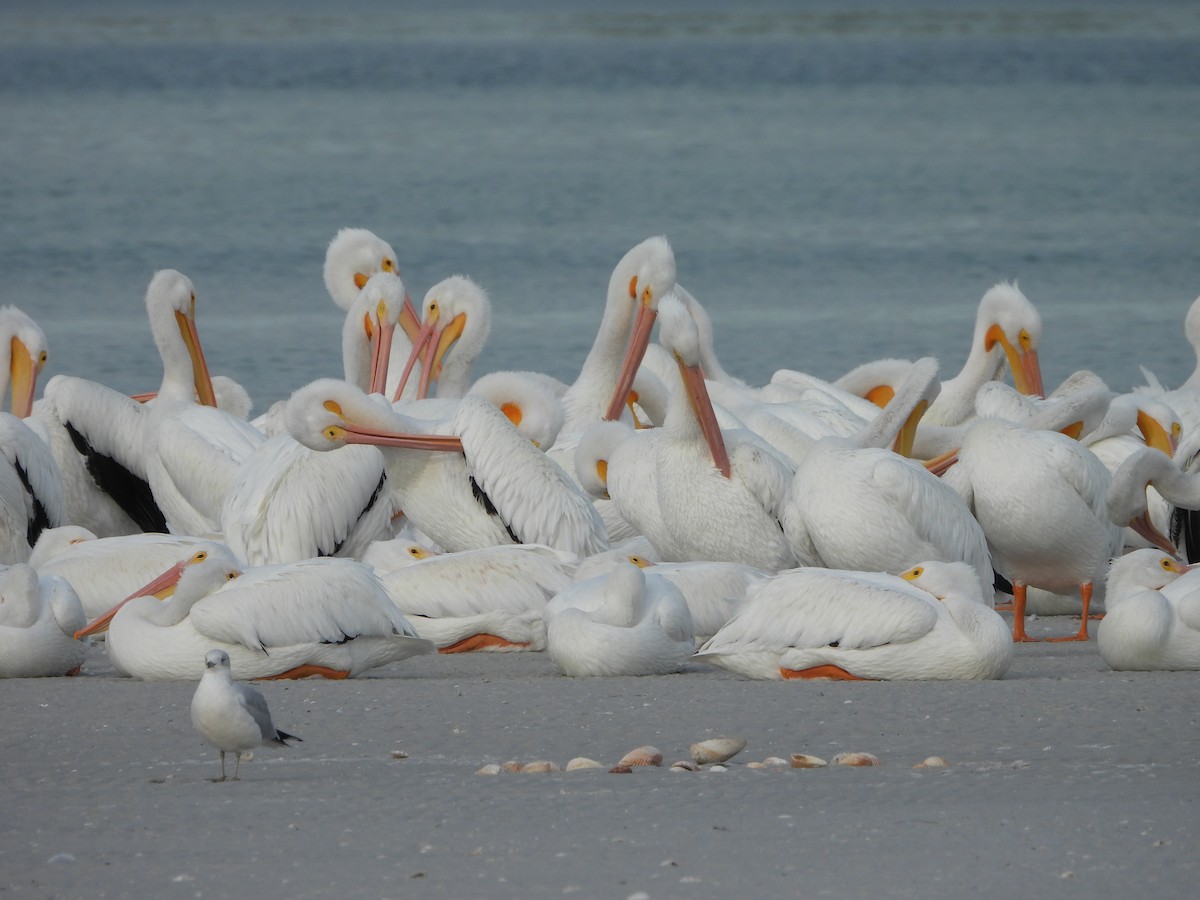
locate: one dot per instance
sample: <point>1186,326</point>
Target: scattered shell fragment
<point>489,769</point>
<point>582,762</point>
<point>772,761</point>
<point>620,770</point>
<point>856,759</point>
<point>932,762</point>
<point>804,761</point>
<point>717,767</point>
<point>684,765</point>
<point>642,756</point>
<point>755,765</point>
<point>540,765</point>
<point>717,750</point>
<point>511,766</point>
<point>399,754</point>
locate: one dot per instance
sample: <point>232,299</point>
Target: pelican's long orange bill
<point>191,338</point>
<point>381,352</point>
<point>634,353</point>
<point>441,342</point>
<point>356,434</point>
<point>420,340</point>
<point>1144,527</point>
<point>697,391</point>
<point>23,372</point>
<point>940,464</point>
<point>162,586</point>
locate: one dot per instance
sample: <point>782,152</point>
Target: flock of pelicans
<point>654,512</point>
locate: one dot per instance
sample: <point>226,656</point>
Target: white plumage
<point>627,622</point>
<point>38,620</point>
<point>929,623</point>
<point>328,617</point>
<point>1153,618</point>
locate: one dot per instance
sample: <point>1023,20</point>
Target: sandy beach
<point>1065,779</point>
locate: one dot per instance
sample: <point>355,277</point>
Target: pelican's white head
<point>353,256</point>
<point>171,308</point>
<point>369,329</point>
<point>25,343</point>
<point>1007,318</point>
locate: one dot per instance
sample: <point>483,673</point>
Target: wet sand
<point>1065,780</point>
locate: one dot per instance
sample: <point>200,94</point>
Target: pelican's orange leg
<point>1019,613</point>
<point>1085,592</point>
<point>837,673</point>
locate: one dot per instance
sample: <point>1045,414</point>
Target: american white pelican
<point>232,717</point>
<point>288,503</point>
<point>23,354</point>
<point>1185,399</point>
<point>623,623</point>
<point>1153,618</point>
<point>38,620</point>
<point>714,591</point>
<point>104,571</point>
<point>487,486</point>
<point>856,504</point>
<point>369,332</point>
<point>1007,327</point>
<point>615,450</point>
<point>1128,501</point>
<point>488,599</point>
<point>456,317</point>
<point>642,277</point>
<point>719,494</point>
<point>1040,497</point>
<point>931,622</point>
<point>328,617</point>
<point>100,438</point>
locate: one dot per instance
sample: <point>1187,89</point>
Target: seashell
<point>399,754</point>
<point>717,767</point>
<point>684,765</point>
<point>755,765</point>
<point>804,761</point>
<point>856,759</point>
<point>641,756</point>
<point>582,762</point>
<point>540,765</point>
<point>932,762</point>
<point>773,761</point>
<point>489,769</point>
<point>717,750</point>
<point>511,766</point>
<point>620,770</point>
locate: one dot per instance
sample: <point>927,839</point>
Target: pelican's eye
<point>640,561</point>
<point>42,359</point>
<point>200,557</point>
<point>229,576</point>
<point>914,573</point>
<point>1167,563</point>
<point>647,294</point>
<point>1176,430</point>
<point>1025,340</point>
<point>332,432</point>
<point>389,264</point>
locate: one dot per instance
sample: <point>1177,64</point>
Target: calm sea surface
<point>840,181</point>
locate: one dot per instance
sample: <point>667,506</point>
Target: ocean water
<point>840,181</point>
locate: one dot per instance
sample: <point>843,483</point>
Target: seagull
<point>232,717</point>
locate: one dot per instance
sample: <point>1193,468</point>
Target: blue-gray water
<point>840,181</point>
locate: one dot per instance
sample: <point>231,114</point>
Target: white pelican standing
<point>39,616</point>
<point>856,504</point>
<point>1040,498</point>
<point>328,617</point>
<point>640,279</point>
<point>627,622</point>
<point>1153,618</point>
<point>1007,328</point>
<point>487,599</point>
<point>232,717</point>
<point>931,622</point>
<point>100,438</point>
<point>719,494</point>
<point>488,485</point>
<point>104,571</point>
